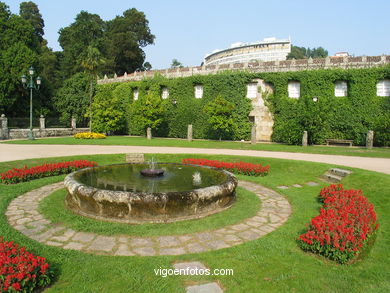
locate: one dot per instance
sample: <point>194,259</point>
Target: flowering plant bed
<point>342,230</point>
<point>89,135</point>
<point>20,270</point>
<point>243,168</point>
<point>16,175</point>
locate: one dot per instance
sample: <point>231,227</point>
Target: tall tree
<point>18,50</point>
<point>297,53</point>
<point>125,37</point>
<point>72,98</point>
<point>303,53</point>
<point>30,12</point>
<point>87,30</point>
<point>90,60</point>
<point>176,64</point>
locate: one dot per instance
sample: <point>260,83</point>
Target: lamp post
<point>31,85</point>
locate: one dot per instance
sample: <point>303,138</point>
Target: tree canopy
<point>304,53</point>
<point>89,44</point>
<point>176,64</point>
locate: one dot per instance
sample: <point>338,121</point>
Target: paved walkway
<point>10,152</point>
<point>23,215</point>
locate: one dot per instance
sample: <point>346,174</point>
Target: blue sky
<point>188,30</point>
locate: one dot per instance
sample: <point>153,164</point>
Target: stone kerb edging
<point>23,215</point>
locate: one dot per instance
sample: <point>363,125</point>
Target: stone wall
<point>260,115</point>
<point>271,66</point>
<point>47,132</point>
<point>10,133</point>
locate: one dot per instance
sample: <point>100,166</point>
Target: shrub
<point>16,175</point>
<point>342,229</point>
<point>20,270</point>
<point>89,135</point>
<point>236,167</point>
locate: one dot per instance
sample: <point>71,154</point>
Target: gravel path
<point>10,152</point>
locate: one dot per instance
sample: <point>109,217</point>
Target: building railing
<point>270,66</point>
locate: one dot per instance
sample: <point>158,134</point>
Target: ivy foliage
<point>109,111</point>
<point>147,112</point>
<point>71,100</point>
<point>173,119</point>
<point>221,120</point>
<point>349,117</point>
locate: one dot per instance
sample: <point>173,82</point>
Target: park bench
<point>333,141</point>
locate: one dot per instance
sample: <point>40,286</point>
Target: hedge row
<point>331,117</point>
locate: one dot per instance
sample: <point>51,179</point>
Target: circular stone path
<point>23,215</point>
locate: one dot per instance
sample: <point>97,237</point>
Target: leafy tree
<point>19,50</point>
<point>303,53</point>
<point>125,37</point>
<point>30,12</point>
<point>297,53</point>
<point>72,98</point>
<point>147,112</point>
<point>87,30</point>
<point>109,115</point>
<point>90,60</point>
<point>176,64</point>
<point>221,119</point>
<point>147,66</point>
<point>318,53</point>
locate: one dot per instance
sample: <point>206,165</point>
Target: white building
<point>270,49</point>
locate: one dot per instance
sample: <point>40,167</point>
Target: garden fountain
<point>137,193</point>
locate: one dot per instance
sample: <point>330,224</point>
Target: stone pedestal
<point>42,122</point>
<point>149,133</point>
<point>3,127</point>
<point>189,132</point>
<point>304,139</point>
<point>73,123</point>
<point>253,134</point>
<point>370,139</point>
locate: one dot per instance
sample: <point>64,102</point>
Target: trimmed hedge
<point>331,117</point>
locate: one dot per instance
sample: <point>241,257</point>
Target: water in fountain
<point>152,171</point>
<point>120,193</point>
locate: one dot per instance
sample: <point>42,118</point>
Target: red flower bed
<point>16,175</point>
<point>345,223</point>
<point>237,167</point>
<point>20,270</point>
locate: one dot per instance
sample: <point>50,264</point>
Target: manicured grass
<point>273,263</point>
<point>53,207</point>
<point>142,141</point>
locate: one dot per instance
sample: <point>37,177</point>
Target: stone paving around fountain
<point>23,215</point>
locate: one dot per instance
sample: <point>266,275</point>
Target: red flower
<point>16,286</point>
<point>25,174</point>
<point>237,167</point>
<point>344,224</point>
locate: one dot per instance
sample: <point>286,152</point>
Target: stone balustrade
<point>270,66</point>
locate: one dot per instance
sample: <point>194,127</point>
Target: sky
<point>187,30</point>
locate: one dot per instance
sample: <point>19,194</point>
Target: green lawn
<point>54,209</point>
<point>142,141</point>
<point>273,263</point>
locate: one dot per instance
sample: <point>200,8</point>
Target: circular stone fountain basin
<point>120,193</point>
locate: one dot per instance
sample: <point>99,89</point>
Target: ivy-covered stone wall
<point>347,117</point>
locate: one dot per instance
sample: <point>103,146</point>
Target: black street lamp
<point>31,85</point>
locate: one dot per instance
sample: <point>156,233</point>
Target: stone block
<point>135,158</point>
